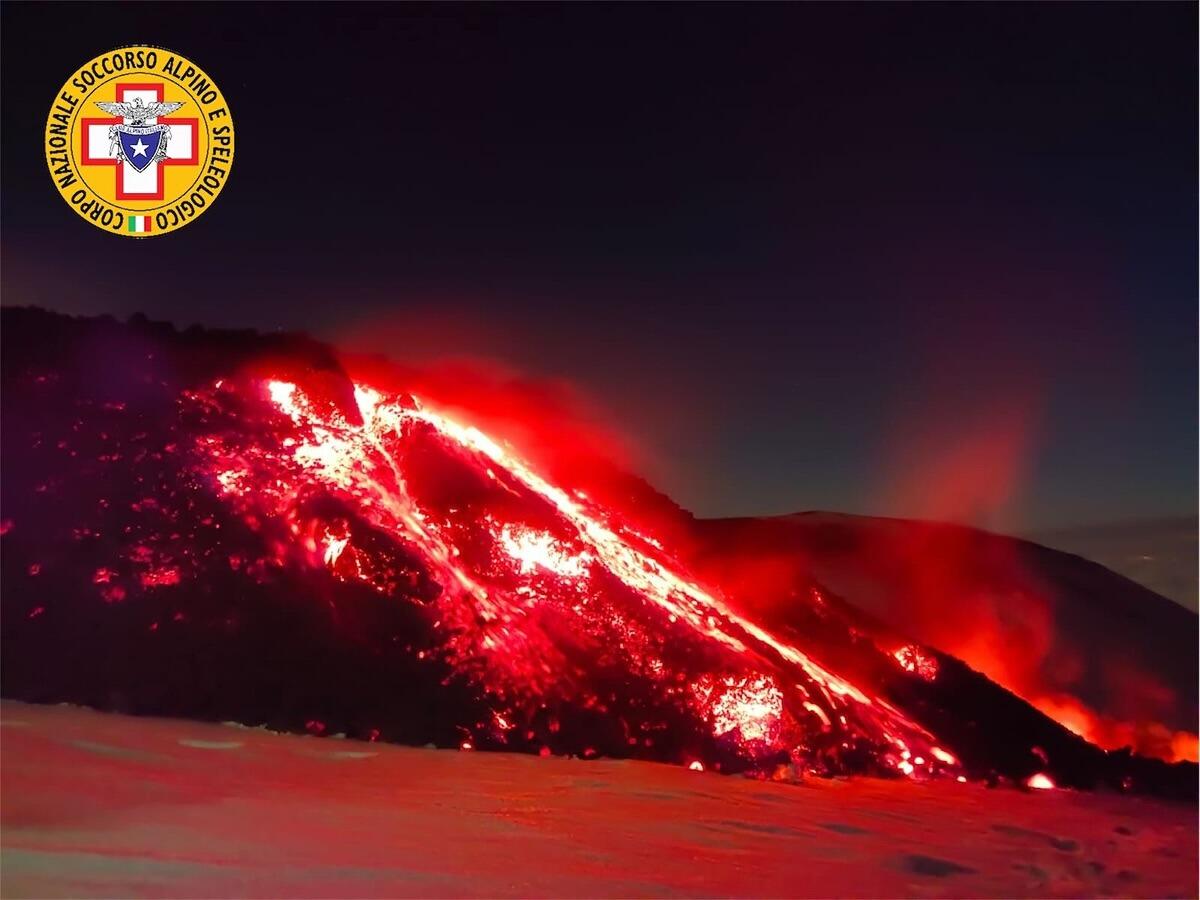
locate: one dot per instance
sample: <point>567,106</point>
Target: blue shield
<point>140,149</point>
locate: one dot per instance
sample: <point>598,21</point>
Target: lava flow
<point>541,594</point>
<point>229,526</point>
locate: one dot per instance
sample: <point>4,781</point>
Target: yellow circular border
<point>76,100</point>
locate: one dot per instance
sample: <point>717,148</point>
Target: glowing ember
<point>913,659</point>
<point>751,707</point>
<point>159,577</point>
<point>945,757</point>
<point>535,550</point>
<point>334,546</point>
<point>1040,782</point>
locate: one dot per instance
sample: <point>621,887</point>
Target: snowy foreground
<point>106,805</point>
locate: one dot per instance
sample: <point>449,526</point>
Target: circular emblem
<point>139,141</point>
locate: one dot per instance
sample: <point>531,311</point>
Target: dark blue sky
<point>902,259</point>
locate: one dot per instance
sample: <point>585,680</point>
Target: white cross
<point>148,183</point>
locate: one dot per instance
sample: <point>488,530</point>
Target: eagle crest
<point>137,111</point>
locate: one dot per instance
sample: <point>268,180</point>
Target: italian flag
<point>138,224</point>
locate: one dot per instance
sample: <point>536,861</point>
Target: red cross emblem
<point>182,149</point>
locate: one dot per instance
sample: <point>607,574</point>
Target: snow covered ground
<point>105,805</point>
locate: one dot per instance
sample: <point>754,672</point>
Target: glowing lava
<point>541,594</point>
<point>533,550</point>
<point>750,707</point>
<point>1040,782</point>
<point>913,659</point>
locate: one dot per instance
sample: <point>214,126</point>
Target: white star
<point>139,149</point>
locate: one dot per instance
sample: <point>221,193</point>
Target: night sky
<point>918,260</point>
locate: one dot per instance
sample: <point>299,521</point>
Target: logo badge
<point>139,141</point>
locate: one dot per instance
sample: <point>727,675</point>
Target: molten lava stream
<point>541,589</point>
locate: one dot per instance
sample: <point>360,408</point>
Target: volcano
<point>231,526</point>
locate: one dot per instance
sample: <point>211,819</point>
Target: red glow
<point>535,550</point>
<point>112,593</point>
<point>1149,738</point>
<point>913,659</point>
<point>750,707</point>
<point>985,600</point>
<point>334,545</point>
<point>535,577</point>
<point>1040,782</point>
<point>940,754</point>
<point>160,576</point>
